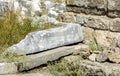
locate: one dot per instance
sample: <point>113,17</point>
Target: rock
<point>25,8</point>
<point>88,34</point>
<point>38,59</point>
<point>48,5</point>
<point>114,8</point>
<point>116,50</point>
<point>53,14</point>
<point>54,8</point>
<point>48,39</point>
<point>92,57</point>
<point>8,68</point>
<point>100,69</point>
<point>3,7</point>
<point>68,17</point>
<point>44,19</point>
<point>105,38</point>
<point>31,74</point>
<point>94,21</point>
<point>93,6</point>
<point>114,57</point>
<point>102,57</point>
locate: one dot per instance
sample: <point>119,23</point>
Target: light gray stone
<point>25,8</point>
<point>102,57</point>
<point>3,7</point>
<point>8,68</point>
<point>92,57</point>
<point>38,59</point>
<point>54,9</point>
<point>48,39</point>
<point>44,19</point>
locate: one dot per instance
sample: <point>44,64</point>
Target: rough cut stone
<point>92,57</point>
<point>114,57</point>
<point>102,57</point>
<point>3,7</point>
<point>109,8</point>
<point>48,39</point>
<point>35,60</point>
<point>92,6</point>
<point>8,68</point>
<point>100,69</point>
<point>25,8</point>
<point>114,8</point>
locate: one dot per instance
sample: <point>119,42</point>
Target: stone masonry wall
<point>100,20</point>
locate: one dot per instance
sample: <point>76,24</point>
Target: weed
<point>8,56</point>
<point>94,46</point>
<point>66,68</point>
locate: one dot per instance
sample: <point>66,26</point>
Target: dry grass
<point>66,68</point>
<point>12,31</point>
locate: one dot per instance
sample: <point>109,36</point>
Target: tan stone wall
<point>100,19</point>
<point>109,8</point>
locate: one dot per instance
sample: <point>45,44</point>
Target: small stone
<point>102,57</point>
<point>92,57</point>
<point>114,57</point>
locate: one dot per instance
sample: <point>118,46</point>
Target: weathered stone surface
<point>102,57</point>
<point>88,3</point>
<point>31,74</point>
<point>114,8</point>
<point>38,59</point>
<point>8,68</point>
<point>48,39</point>
<point>109,8</point>
<point>3,7</point>
<point>101,69</point>
<point>93,21</point>
<point>68,17</point>
<point>115,25</point>
<point>114,57</point>
<point>87,6</point>
<point>92,57</point>
<point>105,30</point>
<point>54,8</point>
<point>105,38</point>
<point>88,34</point>
<point>96,22</point>
<point>25,8</point>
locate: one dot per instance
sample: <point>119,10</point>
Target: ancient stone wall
<point>100,20</point>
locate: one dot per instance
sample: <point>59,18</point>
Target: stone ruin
<point>100,21</point>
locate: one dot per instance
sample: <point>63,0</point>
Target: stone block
<point>47,39</point>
